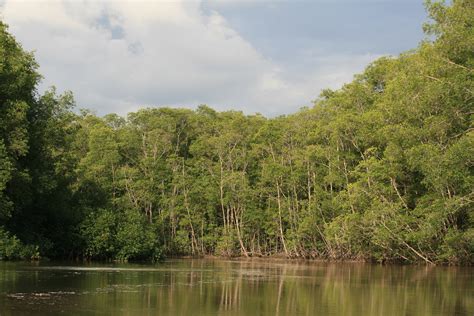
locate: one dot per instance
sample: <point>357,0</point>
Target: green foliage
<point>136,238</point>
<point>458,246</point>
<point>99,233</point>
<point>122,236</point>
<point>11,248</point>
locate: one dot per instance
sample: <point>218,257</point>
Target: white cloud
<point>118,56</point>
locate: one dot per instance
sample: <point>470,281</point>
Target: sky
<point>257,56</point>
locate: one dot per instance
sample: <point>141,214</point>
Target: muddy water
<point>224,287</point>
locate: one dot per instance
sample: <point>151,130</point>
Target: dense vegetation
<point>381,169</point>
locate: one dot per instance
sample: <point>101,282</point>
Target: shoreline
<point>270,259</point>
<point>279,258</point>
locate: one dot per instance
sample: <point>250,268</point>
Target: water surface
<point>225,287</point>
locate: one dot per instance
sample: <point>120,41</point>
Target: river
<point>227,287</point>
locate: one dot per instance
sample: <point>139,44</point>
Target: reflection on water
<point>223,287</point>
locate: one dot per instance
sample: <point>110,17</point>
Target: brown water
<point>224,287</point>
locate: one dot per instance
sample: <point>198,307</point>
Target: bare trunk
<point>238,228</point>
<point>282,236</point>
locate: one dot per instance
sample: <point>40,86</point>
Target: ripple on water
<point>40,295</point>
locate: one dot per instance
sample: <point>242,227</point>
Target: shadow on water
<point>225,287</point>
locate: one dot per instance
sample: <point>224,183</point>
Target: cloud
<point>119,56</point>
<point>298,86</point>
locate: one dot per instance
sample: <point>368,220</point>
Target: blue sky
<point>279,28</point>
<point>271,57</point>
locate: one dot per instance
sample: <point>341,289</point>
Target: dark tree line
<point>381,169</point>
